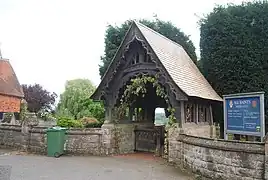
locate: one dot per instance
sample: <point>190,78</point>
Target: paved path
<point>132,167</point>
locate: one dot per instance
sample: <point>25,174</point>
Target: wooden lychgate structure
<point>145,52</point>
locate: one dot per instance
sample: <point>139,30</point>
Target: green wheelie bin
<point>55,141</point>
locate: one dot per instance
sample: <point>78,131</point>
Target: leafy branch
<point>137,88</point>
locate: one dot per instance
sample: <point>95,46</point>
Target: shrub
<point>68,122</point>
<point>92,109</point>
<point>45,115</point>
<point>90,122</point>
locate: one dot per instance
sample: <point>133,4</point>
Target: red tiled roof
<point>9,84</point>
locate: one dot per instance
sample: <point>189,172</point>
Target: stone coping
<point>10,127</point>
<point>84,132</point>
<point>42,130</point>
<point>226,145</point>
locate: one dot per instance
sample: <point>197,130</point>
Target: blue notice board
<point>244,114</point>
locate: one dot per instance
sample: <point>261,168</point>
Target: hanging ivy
<point>137,87</point>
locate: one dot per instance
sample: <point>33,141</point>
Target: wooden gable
<point>134,57</point>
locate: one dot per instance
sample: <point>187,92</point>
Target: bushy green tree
<point>75,103</point>
<point>234,48</point>
<point>115,34</point>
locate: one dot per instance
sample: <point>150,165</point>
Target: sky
<point>51,41</point>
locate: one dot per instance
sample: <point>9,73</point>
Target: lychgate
<point>150,71</point>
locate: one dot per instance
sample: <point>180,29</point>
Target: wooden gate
<point>150,139</point>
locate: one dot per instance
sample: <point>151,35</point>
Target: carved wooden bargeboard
<point>9,104</point>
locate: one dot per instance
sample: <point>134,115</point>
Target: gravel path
<point>133,167</point>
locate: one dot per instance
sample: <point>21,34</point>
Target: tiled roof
<point>179,65</point>
<point>9,84</point>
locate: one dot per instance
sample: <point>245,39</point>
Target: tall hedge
<point>234,48</point>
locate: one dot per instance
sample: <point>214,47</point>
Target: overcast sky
<point>51,41</point>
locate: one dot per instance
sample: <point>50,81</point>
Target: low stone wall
<point>110,139</point>
<point>78,141</point>
<point>84,141</point>
<point>12,136</point>
<point>218,159</point>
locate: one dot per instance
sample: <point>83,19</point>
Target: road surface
<point>130,167</point>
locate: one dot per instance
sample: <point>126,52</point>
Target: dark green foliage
<point>94,125</point>
<point>115,34</point>
<point>95,109</point>
<point>234,48</point>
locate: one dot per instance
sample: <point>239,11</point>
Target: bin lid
<point>57,128</point>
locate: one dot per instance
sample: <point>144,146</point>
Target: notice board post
<point>244,114</point>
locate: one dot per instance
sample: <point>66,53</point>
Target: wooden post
<point>130,115</point>
<point>108,115</point>
<point>193,113</point>
<point>182,114</point>
<point>211,122</point>
<point>211,115</point>
<point>204,113</point>
<point>208,114</point>
<point>197,114</point>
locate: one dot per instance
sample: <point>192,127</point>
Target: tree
<point>115,34</point>
<point>234,50</point>
<point>75,103</point>
<point>38,98</point>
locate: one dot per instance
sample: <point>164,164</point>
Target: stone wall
<point>11,136</point>
<point>110,139</point>
<point>36,140</point>
<point>78,141</point>
<point>84,141</point>
<point>218,159</point>
<point>125,138</point>
<point>118,138</point>
<point>200,130</point>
